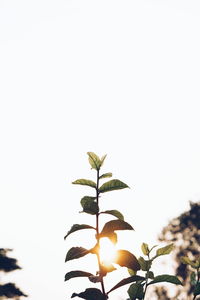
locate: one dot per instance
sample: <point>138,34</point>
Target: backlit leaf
<point>85,182</point>
<point>115,225</point>
<point>165,278</point>
<point>112,185</point>
<point>186,260</point>
<point>106,175</point>
<point>102,159</point>
<point>77,227</point>
<point>106,269</point>
<point>74,274</point>
<point>89,205</point>
<point>126,259</point>
<point>94,160</point>
<point>165,250</point>
<point>114,213</point>
<point>145,249</point>
<point>90,294</point>
<point>76,252</point>
<point>127,280</point>
<point>135,291</point>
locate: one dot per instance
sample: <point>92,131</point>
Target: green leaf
<point>165,250</point>
<point>151,275</point>
<point>145,249</point>
<point>113,225</point>
<point>166,278</point>
<point>102,159</point>
<point>90,294</point>
<point>77,227</point>
<point>126,259</point>
<point>85,182</point>
<point>144,264</point>
<point>74,274</point>
<point>112,185</point>
<point>106,175</point>
<point>132,272</point>
<point>193,278</point>
<point>186,260</point>
<point>94,160</point>
<point>89,205</point>
<point>197,289</point>
<point>114,213</point>
<point>135,291</point>
<point>127,281</point>
<point>76,252</point>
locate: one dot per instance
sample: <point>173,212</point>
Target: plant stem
<point>97,231</point>
<point>198,278</point>
<point>147,277</point>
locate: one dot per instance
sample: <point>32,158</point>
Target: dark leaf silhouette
<point>76,252</point>
<point>90,294</point>
<point>77,227</point>
<point>9,290</point>
<point>74,274</point>
<point>127,281</point>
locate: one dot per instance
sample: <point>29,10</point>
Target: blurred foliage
<point>184,232</point>
<point>8,264</point>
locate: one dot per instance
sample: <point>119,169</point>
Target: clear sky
<point>109,76</point>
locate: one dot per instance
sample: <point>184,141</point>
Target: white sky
<point>115,77</point>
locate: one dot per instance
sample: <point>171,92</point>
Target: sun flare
<point>107,251</point>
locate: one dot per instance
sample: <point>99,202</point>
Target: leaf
<point>112,185</point>
<point>94,160</point>
<point>145,249</point>
<point>90,294</point>
<point>106,269</point>
<point>151,275</point>
<point>89,205</point>
<point>193,278</point>
<point>135,291</point>
<point>197,289</point>
<point>85,182</point>
<point>132,272</point>
<point>165,278</point>
<point>113,225</point>
<point>112,237</point>
<point>186,260</point>
<point>106,175</point>
<point>95,279</point>
<point>144,264</point>
<point>76,227</point>
<point>114,213</point>
<point>125,258</point>
<point>76,252</point>
<point>165,250</point>
<point>102,159</point>
<point>127,281</point>
<point>74,274</point>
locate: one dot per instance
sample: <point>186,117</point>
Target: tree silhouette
<point>8,264</point>
<point>184,232</point>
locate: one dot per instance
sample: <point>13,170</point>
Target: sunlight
<point>107,251</point>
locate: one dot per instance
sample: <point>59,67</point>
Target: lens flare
<point>107,251</point>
